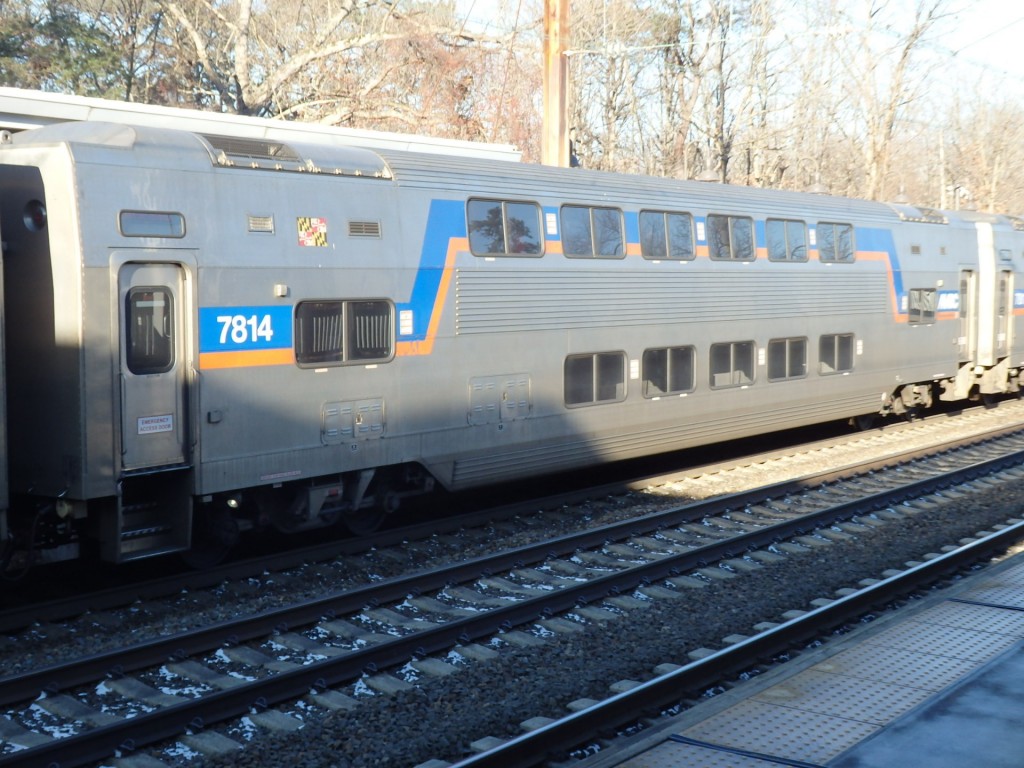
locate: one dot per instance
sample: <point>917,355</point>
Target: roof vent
<point>252,150</point>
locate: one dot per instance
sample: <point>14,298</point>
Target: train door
<point>987,297</point>
<point>968,339</point>
<point>154,422</point>
<point>1004,309</point>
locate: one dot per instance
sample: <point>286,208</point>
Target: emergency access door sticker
<point>149,425</point>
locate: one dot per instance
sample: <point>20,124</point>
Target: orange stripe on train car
<point>246,359</point>
<point>426,346</point>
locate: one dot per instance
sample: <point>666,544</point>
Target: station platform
<point>939,683</point>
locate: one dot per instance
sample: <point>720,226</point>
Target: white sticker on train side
<point>148,425</point>
<point>552,224</point>
<point>405,324</point>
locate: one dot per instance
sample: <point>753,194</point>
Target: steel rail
<point>536,747</point>
<point>27,685</point>
<point>100,742</point>
<point>13,618</point>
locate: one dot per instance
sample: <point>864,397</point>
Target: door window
<point>149,343</point>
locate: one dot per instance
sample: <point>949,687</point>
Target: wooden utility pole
<point>554,147</point>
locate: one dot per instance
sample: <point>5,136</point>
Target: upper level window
<point>151,224</point>
<point>504,228</point>
<point>595,378</point>
<point>730,238</point>
<point>338,332</point>
<point>835,242</point>
<point>787,240</point>
<point>665,235</point>
<point>149,346</point>
<point>592,232</point>
<point>732,364</point>
<point>921,303</point>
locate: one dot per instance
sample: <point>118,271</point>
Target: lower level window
<point>921,303</point>
<point>787,359</point>
<point>668,371</point>
<point>595,378</point>
<point>339,332</point>
<point>835,353</point>
<point>732,364</point>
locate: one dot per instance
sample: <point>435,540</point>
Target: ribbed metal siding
<point>702,426</point>
<point>504,301</point>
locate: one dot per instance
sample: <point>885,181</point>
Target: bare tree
<point>367,62</point>
<point>680,74</point>
<point>782,93</point>
<point>881,75</point>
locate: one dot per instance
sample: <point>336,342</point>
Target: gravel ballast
<point>441,717</point>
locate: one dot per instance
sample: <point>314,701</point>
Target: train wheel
<point>865,421</point>
<point>363,522</point>
<point>214,535</point>
<point>366,519</point>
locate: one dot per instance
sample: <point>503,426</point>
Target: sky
<point>987,34</point>
<point>981,36</point>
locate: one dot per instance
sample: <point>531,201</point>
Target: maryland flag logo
<point>312,231</point>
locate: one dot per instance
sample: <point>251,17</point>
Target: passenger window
<point>732,364</point>
<point>595,378</point>
<point>504,228</point>
<point>730,238</point>
<point>592,232</point>
<point>149,342</point>
<point>368,330</point>
<point>921,304</point>
<point>669,371</point>
<point>338,332</point>
<point>318,332</point>
<point>787,359</point>
<point>787,240</point>
<point>151,224</point>
<point>608,232</point>
<point>835,353</point>
<point>835,242</point>
<point>486,227</point>
<point>665,235</point>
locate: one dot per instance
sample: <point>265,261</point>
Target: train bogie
<point>217,333</point>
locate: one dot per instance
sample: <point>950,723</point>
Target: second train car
<point>206,332</point>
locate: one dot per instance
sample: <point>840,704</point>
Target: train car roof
<point>525,180</point>
<point>23,109</point>
<point>102,142</point>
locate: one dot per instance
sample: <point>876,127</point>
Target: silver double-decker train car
<point>206,332</point>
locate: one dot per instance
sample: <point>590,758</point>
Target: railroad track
<point>16,615</point>
<point>669,691</point>
<point>384,625</point>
